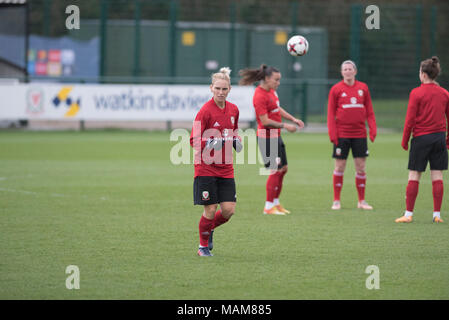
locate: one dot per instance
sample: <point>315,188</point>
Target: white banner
<point>51,101</point>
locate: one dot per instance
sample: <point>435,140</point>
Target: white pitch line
<point>18,191</point>
<point>59,195</point>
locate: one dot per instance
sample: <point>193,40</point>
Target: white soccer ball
<point>297,46</point>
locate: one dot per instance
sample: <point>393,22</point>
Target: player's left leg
<point>281,173</point>
<point>205,194</point>
<point>438,161</point>
<point>227,197</point>
<point>360,182</point>
<point>411,192</point>
<point>225,213</point>
<point>205,229</point>
<point>282,170</point>
<point>222,216</point>
<point>437,192</point>
<point>269,149</point>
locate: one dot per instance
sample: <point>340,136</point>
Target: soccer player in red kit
<point>269,116</point>
<point>427,117</point>
<point>213,136</point>
<point>349,106</point>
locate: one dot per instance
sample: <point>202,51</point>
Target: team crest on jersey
<point>232,120</point>
<point>353,100</point>
<point>206,195</point>
<point>361,93</point>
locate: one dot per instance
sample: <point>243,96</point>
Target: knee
<point>209,211</point>
<point>227,213</point>
<point>340,166</point>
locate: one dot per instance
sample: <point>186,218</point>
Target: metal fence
<point>183,41</point>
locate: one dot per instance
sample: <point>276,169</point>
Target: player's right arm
<point>447,120</point>
<point>410,119</point>
<point>260,106</point>
<point>198,128</point>
<point>331,114</point>
<point>268,123</point>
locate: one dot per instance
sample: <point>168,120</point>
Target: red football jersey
<point>427,111</point>
<point>348,109</point>
<point>267,102</point>
<point>214,122</point>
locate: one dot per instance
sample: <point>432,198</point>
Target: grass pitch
<point>113,204</point>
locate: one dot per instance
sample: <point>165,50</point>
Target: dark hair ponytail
<point>249,76</point>
<point>431,67</point>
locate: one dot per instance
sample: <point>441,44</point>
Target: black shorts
<point>273,152</point>
<point>210,190</point>
<point>428,148</point>
<point>359,147</point>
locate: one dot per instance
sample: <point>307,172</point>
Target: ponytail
<point>249,76</point>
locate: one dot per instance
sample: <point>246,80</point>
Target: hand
<point>299,123</point>
<point>372,136</point>
<point>290,127</point>
<point>334,140</point>
<point>237,144</point>
<point>215,143</point>
<point>404,145</point>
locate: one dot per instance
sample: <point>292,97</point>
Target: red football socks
<point>272,186</point>
<point>219,219</point>
<point>280,182</point>
<point>338,184</point>
<point>437,191</point>
<point>360,182</point>
<point>205,226</point>
<point>410,194</point>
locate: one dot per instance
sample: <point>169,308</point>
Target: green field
<point>111,203</point>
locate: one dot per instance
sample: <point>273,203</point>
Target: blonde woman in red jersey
<point>427,116</point>
<point>269,116</point>
<point>349,106</point>
<point>214,133</point>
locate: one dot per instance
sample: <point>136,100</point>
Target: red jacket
<point>267,102</point>
<point>347,110</point>
<point>214,122</point>
<point>427,112</point>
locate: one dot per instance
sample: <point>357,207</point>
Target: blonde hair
<point>222,74</point>
<point>348,62</point>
